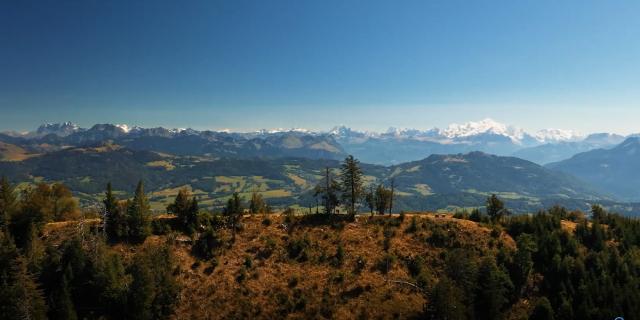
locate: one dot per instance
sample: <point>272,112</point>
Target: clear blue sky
<point>367,64</point>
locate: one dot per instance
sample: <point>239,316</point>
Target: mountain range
<point>394,146</point>
<point>436,168</point>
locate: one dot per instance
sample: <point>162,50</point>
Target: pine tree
<point>154,290</point>
<point>20,296</point>
<point>446,301</point>
<point>598,214</point>
<point>495,208</point>
<point>351,183</point>
<point>523,260</point>
<point>8,202</point>
<point>328,189</point>
<point>392,194</point>
<point>493,290</point>
<point>382,197</point>
<point>233,211</point>
<point>257,204</point>
<point>542,310</point>
<point>186,209</point>
<point>115,222</point>
<point>370,199</point>
<point>139,215</point>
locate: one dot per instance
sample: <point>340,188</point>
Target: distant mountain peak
<point>557,135</point>
<point>60,129</point>
<point>486,126</point>
<point>631,142</point>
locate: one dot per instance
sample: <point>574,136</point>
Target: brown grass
<point>215,293</point>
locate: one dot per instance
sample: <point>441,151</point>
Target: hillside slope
<point>260,277</point>
<point>430,184</point>
<point>616,170</point>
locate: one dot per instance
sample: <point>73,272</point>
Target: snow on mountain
<point>60,129</point>
<point>464,132</point>
<point>124,127</point>
<point>557,135</point>
<point>486,130</point>
<point>486,126</point>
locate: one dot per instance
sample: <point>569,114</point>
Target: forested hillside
<point>57,263</point>
<point>437,182</point>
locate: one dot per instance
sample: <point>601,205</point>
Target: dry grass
<point>367,294</point>
<point>276,285</point>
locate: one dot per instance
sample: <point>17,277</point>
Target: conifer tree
<point>493,290</point>
<point>186,209</point>
<point>139,215</point>
<point>8,202</point>
<point>328,189</point>
<point>115,220</point>
<point>154,290</point>
<point>495,208</point>
<point>370,199</point>
<point>382,197</point>
<point>351,183</point>
<point>446,301</point>
<point>20,296</point>
<point>542,310</point>
<point>392,194</point>
<point>233,212</point>
<point>257,204</point>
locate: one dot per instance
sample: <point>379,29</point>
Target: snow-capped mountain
<point>393,146</point>
<point>486,126</point>
<point>557,135</point>
<point>470,131</point>
<point>60,129</point>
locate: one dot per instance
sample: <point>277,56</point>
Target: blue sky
<point>367,64</point>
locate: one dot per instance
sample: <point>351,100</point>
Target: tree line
<point>348,189</point>
<point>83,277</point>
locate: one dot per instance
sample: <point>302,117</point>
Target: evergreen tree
<point>370,199</point>
<point>186,209</point>
<point>382,198</point>
<point>446,301</point>
<point>233,211</point>
<point>139,215</point>
<point>492,292</point>
<point>328,189</point>
<point>392,191</point>
<point>207,244</point>
<point>115,219</point>
<point>523,260</point>
<point>8,202</point>
<point>26,301</point>
<point>154,289</point>
<point>598,214</point>
<point>257,204</point>
<point>351,183</point>
<point>20,296</point>
<point>542,310</point>
<point>495,208</point>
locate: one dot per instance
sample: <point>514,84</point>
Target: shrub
<point>298,249</point>
<point>360,264</point>
<point>207,244</point>
<point>338,258</point>
<point>386,263</point>
<point>413,227</point>
<point>439,238</point>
